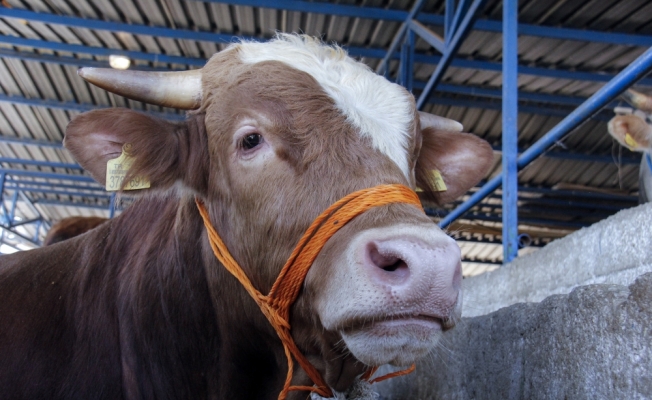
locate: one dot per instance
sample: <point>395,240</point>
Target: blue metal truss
<point>606,94</point>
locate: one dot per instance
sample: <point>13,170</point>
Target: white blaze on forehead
<point>379,109</point>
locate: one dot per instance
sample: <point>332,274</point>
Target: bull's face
<point>269,148</point>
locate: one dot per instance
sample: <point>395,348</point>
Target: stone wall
<point>616,250</point>
<point>594,343</point>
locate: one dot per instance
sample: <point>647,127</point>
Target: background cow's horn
<point>638,100</point>
<point>180,89</point>
<point>439,123</point>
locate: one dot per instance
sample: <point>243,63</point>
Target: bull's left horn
<point>439,123</point>
<point>180,89</point>
<point>638,100</point>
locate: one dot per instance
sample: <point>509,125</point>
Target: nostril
<point>394,266</point>
<point>388,261</point>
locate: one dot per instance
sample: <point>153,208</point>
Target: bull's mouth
<point>399,340</point>
<point>397,322</point>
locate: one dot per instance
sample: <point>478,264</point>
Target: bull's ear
<point>163,152</point>
<point>461,160</point>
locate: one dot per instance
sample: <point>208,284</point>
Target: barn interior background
<point>566,61</point>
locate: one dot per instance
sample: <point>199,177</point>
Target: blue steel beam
<point>449,15</point>
<point>633,159</point>
<point>119,27</point>
<point>101,51</point>
<point>30,142</point>
<point>578,193</point>
<point>426,34</point>
<point>524,108</point>
<point>510,130</point>
<point>331,9</point>
<point>50,164</point>
<point>638,68</point>
<point>440,20</point>
<point>58,192</point>
<point>460,10</point>
<point>382,67</point>
<point>46,175</point>
<point>71,204</point>
<point>456,41</point>
<point>65,60</point>
<point>80,107</point>
<point>199,62</point>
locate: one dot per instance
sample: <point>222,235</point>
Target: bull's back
<point>53,340</point>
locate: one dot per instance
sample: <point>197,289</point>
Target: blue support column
<point>383,66</point>
<point>631,74</point>
<point>112,205</point>
<point>460,33</point>
<point>406,77</point>
<point>510,130</point>
<point>449,12</point>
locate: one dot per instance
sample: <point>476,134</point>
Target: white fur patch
<point>381,110</point>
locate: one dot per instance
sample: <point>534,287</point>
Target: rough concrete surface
<point>595,343</point>
<point>615,250</point>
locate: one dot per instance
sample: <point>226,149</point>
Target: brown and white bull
<point>141,308</point>
<point>634,132</point>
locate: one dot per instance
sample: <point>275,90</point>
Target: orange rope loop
<point>276,305</point>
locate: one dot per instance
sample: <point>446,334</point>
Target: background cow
<point>635,133</point>
<point>70,227</point>
<point>140,308</point>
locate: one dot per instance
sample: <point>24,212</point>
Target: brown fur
<point>70,227</point>
<point>140,307</point>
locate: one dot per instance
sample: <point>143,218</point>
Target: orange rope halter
<point>276,305</point>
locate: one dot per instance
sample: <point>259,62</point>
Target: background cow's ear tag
<point>437,179</point>
<point>633,144</point>
<point>116,171</point>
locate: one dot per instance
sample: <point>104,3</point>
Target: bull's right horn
<point>638,100</point>
<point>180,89</point>
<point>440,123</point>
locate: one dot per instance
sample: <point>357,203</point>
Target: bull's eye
<point>252,140</point>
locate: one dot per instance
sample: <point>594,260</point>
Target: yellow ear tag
<point>630,141</point>
<point>437,179</point>
<point>116,171</point>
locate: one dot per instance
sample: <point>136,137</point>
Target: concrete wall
<point>579,342</point>
<point>616,250</point>
<point>595,343</point>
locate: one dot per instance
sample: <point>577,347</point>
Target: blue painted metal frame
<point>433,19</point>
<point>453,45</point>
<point>633,72</point>
<point>383,66</point>
<point>354,51</point>
<point>510,130</point>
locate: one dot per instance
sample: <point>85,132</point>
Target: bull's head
<point>278,132</point>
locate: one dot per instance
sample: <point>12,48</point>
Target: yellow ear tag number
<point>437,179</point>
<point>116,171</point>
<point>630,141</point>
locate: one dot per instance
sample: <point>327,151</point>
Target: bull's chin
<point>398,342</point>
